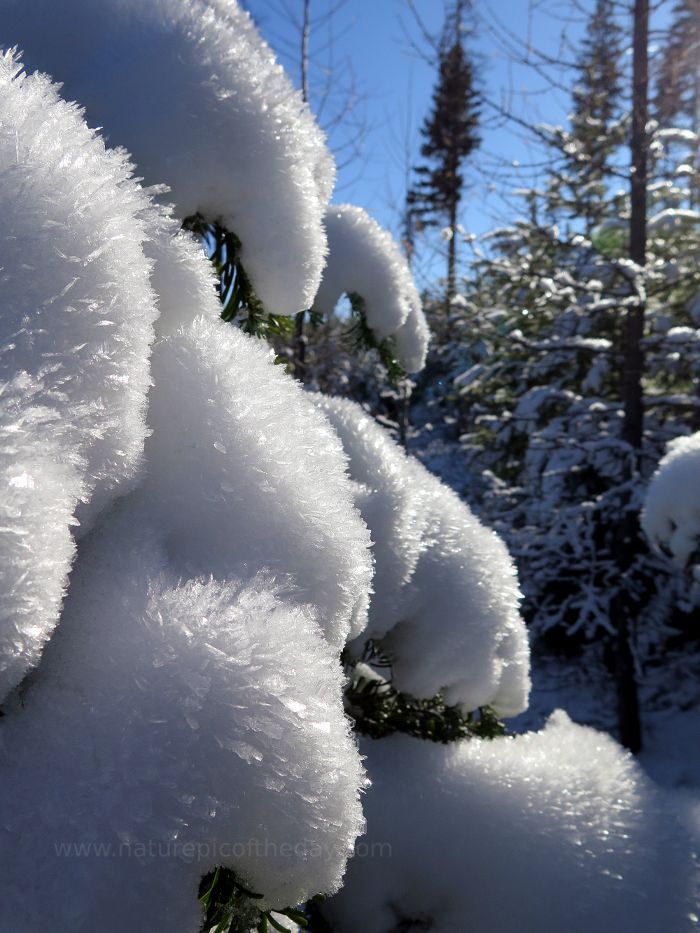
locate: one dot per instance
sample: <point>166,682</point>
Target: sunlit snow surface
<point>558,830</point>
<point>75,330</point>
<point>671,516</point>
<point>193,92</point>
<point>445,601</point>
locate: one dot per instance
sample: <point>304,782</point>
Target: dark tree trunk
<point>628,542</point>
<point>452,254</point>
<point>299,345</point>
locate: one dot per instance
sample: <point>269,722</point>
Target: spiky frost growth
<point>193,92</point>
<point>211,732</point>
<point>75,331</point>
<point>244,471</point>
<point>197,656</point>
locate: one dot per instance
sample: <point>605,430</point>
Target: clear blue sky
<point>367,44</point>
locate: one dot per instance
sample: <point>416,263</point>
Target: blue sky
<point>372,41</point>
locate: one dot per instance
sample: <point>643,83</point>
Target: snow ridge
<point>554,830</point>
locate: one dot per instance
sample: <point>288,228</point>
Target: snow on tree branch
<point>554,830</point>
<point>365,260</point>
<point>244,471</point>
<point>197,655</point>
<point>671,515</point>
<point>445,602</point>
<point>194,93</point>
<point>75,331</point>
<point>211,733</point>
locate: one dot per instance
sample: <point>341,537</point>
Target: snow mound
<point>365,260</point>
<point>211,732</point>
<point>193,92</point>
<point>445,603</point>
<point>555,830</point>
<point>671,515</point>
<point>76,326</point>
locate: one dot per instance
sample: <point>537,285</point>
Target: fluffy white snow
<point>187,711</point>
<point>671,515</point>
<point>194,93</point>
<point>75,331</point>
<point>244,473</point>
<point>672,217</point>
<point>176,726</point>
<point>552,831</point>
<point>445,602</point>
<point>364,259</point>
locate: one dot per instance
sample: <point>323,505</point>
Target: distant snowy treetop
<point>446,597</point>
<point>672,217</point>
<point>193,92</point>
<point>75,333</point>
<point>671,516</point>
<point>365,260</point>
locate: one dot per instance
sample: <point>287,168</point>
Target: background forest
<point>563,356</point>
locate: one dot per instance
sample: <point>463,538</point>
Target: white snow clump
<point>365,260</point>
<point>187,712</point>
<point>76,326</point>
<point>177,725</point>
<point>446,597</point>
<point>245,474</point>
<point>671,515</point>
<point>554,830</point>
<point>194,93</point>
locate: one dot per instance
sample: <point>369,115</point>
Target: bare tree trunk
<point>299,347</point>
<point>628,542</point>
<point>452,255</point>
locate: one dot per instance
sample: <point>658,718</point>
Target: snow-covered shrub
<point>671,515</point>
<point>194,93</point>
<point>365,261</point>
<point>445,601</point>
<point>555,830</point>
<point>76,325</point>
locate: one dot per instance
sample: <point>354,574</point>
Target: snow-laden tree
<point>194,681</point>
<point>184,712</point>
<point>538,379</point>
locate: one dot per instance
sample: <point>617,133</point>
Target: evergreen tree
<point>596,125</point>
<point>450,134</point>
<point>540,406</point>
<point>678,81</point>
